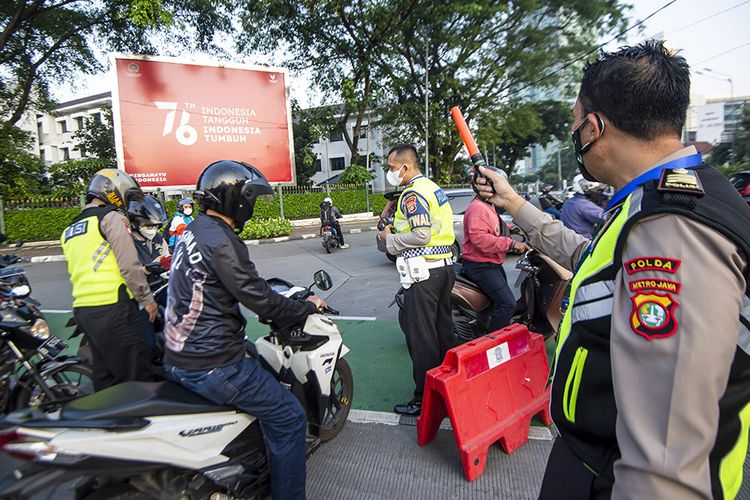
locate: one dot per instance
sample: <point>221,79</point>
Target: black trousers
<point>118,342</point>
<point>428,324</point>
<point>566,478</point>
<point>493,281</point>
<point>339,232</point>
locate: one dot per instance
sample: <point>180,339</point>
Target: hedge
<point>258,229</point>
<point>43,224</point>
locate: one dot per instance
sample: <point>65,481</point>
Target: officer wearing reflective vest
<point>651,388</point>
<point>421,237</point>
<point>108,280</point>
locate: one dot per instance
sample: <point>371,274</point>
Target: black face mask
<point>581,149</point>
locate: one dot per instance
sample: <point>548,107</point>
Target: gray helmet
<point>181,204</point>
<point>114,187</point>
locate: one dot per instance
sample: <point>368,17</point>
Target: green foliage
<point>40,224</point>
<point>306,206</point>
<point>356,174</point>
<point>21,172</point>
<point>259,229</point>
<point>307,126</point>
<point>98,138</point>
<point>73,176</point>
<point>568,165</point>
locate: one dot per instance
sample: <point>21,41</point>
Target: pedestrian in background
<point>421,236</point>
<point>180,221</point>
<point>580,213</point>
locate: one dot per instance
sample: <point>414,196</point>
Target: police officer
<point>108,280</point>
<point>421,237</point>
<point>652,381</point>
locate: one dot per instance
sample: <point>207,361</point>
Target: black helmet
<point>231,188</point>
<point>114,187</point>
<point>149,211</point>
<point>181,204</point>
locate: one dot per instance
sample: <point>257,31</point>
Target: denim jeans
<point>492,280</point>
<point>250,388</point>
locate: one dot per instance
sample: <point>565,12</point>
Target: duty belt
<point>421,252</point>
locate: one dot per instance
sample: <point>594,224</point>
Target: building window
<point>337,163</point>
<point>79,122</point>
<point>691,135</point>
<point>63,125</point>
<point>65,153</point>
<point>40,127</point>
<point>43,155</point>
<point>318,165</point>
<point>97,117</point>
<point>362,131</point>
<point>82,151</point>
<point>337,135</point>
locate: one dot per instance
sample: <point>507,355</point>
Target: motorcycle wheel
<point>340,402</point>
<point>392,258</point>
<point>465,326</point>
<point>327,245</point>
<point>455,252</point>
<point>66,382</point>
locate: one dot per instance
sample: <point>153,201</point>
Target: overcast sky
<point>698,28</point>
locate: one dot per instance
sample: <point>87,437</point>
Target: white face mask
<point>188,211</point>
<point>393,178</point>
<point>148,233</point>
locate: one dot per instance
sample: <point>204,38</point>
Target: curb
<point>281,239</point>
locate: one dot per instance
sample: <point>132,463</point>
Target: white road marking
<point>355,231</point>
<point>56,311</point>
<point>47,258</point>
<point>353,318</point>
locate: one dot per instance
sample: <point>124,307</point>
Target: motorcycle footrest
<point>312,444</point>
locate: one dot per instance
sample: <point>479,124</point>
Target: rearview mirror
<point>323,280</point>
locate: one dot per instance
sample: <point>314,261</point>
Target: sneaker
<point>411,409</point>
<point>344,246</point>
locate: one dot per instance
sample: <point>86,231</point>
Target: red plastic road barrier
<point>490,388</point>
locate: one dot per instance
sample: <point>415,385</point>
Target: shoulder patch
<point>680,180</point>
<point>410,202</point>
<point>442,198</point>
<point>666,264</point>
<point>655,284</point>
<point>653,315</point>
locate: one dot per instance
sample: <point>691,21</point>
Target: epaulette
<point>680,180</point>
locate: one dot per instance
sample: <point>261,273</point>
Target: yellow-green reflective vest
<point>92,265</point>
<point>441,219</point>
<point>582,399</point>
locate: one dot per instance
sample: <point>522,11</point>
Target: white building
<point>54,131</point>
<point>333,155</point>
<point>713,120</point>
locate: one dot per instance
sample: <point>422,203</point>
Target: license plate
<point>52,347</point>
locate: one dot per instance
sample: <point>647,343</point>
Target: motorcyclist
<point>580,213</point>
<point>211,275</point>
<point>180,221</point>
<point>146,217</point>
<point>329,216</point>
<point>548,202</point>
<point>108,280</point>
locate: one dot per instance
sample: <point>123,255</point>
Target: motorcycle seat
<point>139,399</point>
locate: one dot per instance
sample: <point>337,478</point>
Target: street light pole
<point>559,165</point>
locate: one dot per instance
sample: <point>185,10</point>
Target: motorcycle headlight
<point>40,329</point>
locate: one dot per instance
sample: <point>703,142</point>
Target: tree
<point>308,127</point>
<point>356,174</point>
<point>568,165</point>
<point>512,130</point>
<point>72,177</point>
<point>98,137</point>
<point>46,40</point>
<point>340,42</point>
<point>21,172</point>
<point>483,56</point>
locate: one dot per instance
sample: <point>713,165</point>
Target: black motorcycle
<point>33,370</point>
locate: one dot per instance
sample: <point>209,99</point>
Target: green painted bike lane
<point>378,358</point>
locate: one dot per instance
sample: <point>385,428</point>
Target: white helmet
<point>582,186</point>
<point>328,200</point>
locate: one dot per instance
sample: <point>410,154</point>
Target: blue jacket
<point>581,214</point>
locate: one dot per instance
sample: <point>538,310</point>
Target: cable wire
<point>721,54</point>
<point>579,58</point>
<point>707,18</point>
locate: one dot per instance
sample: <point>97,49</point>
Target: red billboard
<point>173,118</point>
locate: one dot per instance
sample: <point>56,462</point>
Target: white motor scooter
<point>160,440</point>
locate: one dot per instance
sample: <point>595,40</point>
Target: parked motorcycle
<point>543,283</point>
<point>33,370</point>
<point>159,440</point>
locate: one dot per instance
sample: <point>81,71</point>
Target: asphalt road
<point>364,279</point>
